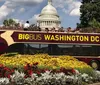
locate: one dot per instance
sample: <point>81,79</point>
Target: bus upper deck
<point>57,42</point>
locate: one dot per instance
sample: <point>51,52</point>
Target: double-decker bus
<point>83,46</point>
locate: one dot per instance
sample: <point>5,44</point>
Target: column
<point>43,23</point>
<point>47,22</point>
<point>50,22</point>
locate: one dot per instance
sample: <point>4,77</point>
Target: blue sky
<point>23,10</point>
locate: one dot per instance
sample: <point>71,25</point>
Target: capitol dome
<point>49,9</point>
<point>49,17</point>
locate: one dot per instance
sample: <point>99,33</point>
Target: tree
<point>94,23</point>
<point>89,1</point>
<point>5,23</point>
<point>90,9</point>
<point>12,22</point>
<point>86,1</point>
<point>9,22</point>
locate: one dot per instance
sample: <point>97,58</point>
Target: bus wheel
<point>95,64</point>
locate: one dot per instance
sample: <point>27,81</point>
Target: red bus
<point>83,46</point>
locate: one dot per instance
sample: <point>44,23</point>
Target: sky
<point>23,10</point>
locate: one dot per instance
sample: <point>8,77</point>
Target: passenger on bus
<point>18,26</point>
<point>53,29</point>
<point>47,30</point>
<point>69,29</point>
<point>26,25</point>
<point>61,29</point>
<point>77,30</point>
<point>39,29</point>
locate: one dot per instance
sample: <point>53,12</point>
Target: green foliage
<point>6,23</point>
<point>86,1</point>
<point>88,71</point>
<point>94,23</point>
<point>89,1</point>
<point>10,54</point>
<point>9,22</point>
<point>90,13</point>
<point>94,26</point>
<point>87,29</point>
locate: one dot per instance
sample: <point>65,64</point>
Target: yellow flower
<point>43,60</point>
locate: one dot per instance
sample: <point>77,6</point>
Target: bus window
<point>79,50</point>
<point>33,45</point>
<point>65,49</point>
<point>54,49</point>
<point>44,48</point>
<point>37,48</point>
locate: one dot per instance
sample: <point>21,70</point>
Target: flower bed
<point>43,60</point>
<point>42,69</point>
<point>49,78</point>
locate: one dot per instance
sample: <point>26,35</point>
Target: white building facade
<point>49,17</point>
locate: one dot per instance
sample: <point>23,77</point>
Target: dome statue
<point>49,17</point>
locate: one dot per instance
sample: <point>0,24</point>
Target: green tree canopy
<point>9,22</point>
<point>94,23</point>
<point>90,11</point>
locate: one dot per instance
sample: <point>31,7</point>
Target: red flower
<point>30,72</point>
<point>8,76</point>
<point>25,67</point>
<point>7,69</point>
<point>25,76</point>
<point>38,72</point>
<point>1,65</point>
<point>73,71</point>
<point>28,67</point>
<point>12,70</point>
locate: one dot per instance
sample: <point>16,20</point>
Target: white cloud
<point>26,2</point>
<point>76,11</point>
<point>25,8</point>
<point>70,7</point>
<point>10,5</point>
<point>4,10</point>
<point>34,19</point>
<point>21,10</point>
<point>17,20</point>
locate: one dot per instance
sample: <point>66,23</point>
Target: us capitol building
<point>49,17</point>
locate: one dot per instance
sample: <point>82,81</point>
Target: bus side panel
<point>3,45</point>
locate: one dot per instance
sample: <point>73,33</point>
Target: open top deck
<point>11,37</point>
